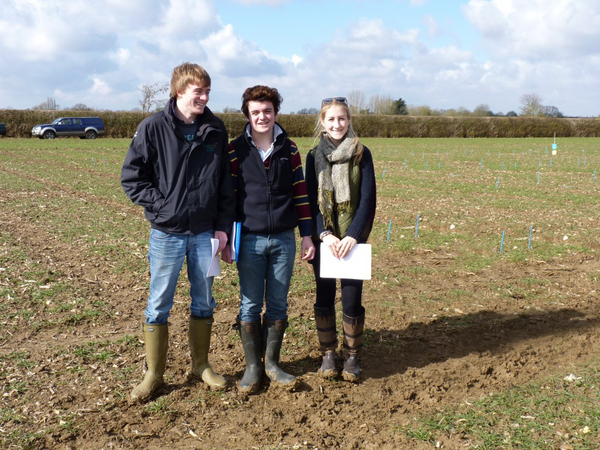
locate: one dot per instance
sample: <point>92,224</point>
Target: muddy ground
<point>427,347</point>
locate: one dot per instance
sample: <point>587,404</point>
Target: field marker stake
<point>594,175</point>
<point>427,165</point>
<point>578,162</point>
<point>383,174</point>
<point>481,164</point>
<point>389,231</point>
<point>538,178</point>
<point>515,165</point>
<point>439,165</point>
<point>404,163</point>
<point>92,160</point>
<point>550,162</point>
<point>502,241</point>
<point>489,153</point>
<point>497,182</point>
<point>105,161</point>
<point>529,243</point>
<point>417,227</point>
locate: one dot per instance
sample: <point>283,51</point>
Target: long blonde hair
<point>319,129</point>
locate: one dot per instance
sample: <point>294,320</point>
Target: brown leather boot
<point>353,334</point>
<point>327,334</point>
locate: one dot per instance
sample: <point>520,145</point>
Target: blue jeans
<point>166,255</point>
<point>265,266</point>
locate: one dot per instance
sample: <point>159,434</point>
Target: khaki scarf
<point>332,165</point>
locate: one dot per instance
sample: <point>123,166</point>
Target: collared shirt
<point>264,154</point>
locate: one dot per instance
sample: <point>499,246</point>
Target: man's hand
<point>308,248</point>
<point>226,254</point>
<point>222,237</point>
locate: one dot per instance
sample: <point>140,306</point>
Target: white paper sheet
<point>355,266</point>
<point>215,264</point>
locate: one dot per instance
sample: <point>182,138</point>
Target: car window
<point>77,122</point>
<point>64,122</point>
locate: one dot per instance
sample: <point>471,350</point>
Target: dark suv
<point>84,127</point>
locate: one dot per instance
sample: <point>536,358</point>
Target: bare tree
<point>531,105</point>
<point>150,92</point>
<point>48,105</point>
<point>80,107</point>
<point>381,104</point>
<point>356,101</point>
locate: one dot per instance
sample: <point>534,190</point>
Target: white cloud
<point>536,29</point>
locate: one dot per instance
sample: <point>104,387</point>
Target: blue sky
<point>443,54</point>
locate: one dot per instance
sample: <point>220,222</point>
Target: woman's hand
<point>332,242</point>
<point>345,246</point>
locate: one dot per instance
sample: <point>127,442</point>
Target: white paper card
<point>215,264</point>
<point>355,266</point>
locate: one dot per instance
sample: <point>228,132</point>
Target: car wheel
<point>91,134</point>
<point>49,134</point>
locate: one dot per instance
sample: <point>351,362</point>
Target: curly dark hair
<point>261,94</point>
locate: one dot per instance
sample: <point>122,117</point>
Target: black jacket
<point>185,187</point>
<point>268,201</point>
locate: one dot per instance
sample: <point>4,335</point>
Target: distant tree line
<point>531,106</point>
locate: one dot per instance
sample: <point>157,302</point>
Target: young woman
<point>341,187</point>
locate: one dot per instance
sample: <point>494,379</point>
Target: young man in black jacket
<point>271,202</point>
<point>177,168</point>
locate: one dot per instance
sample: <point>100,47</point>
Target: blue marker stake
<point>423,154</point>
<point>439,165</point>
<point>497,182</point>
<point>92,160</point>
<point>389,231</point>
<point>529,243</point>
<point>105,161</point>
<point>538,178</point>
<point>550,162</point>
<point>404,163</point>
<point>383,175</point>
<point>515,165</point>
<point>578,162</point>
<point>481,164</point>
<point>502,166</point>
<point>502,242</point>
<point>594,175</point>
<point>417,227</point>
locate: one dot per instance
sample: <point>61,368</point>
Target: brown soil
<point>425,350</point>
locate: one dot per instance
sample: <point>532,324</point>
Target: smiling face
<point>193,100</point>
<point>336,122</point>
<point>261,116</point>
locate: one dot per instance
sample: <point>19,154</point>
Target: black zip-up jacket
<point>268,200</point>
<point>185,187</point>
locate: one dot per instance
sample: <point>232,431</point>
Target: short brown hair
<point>261,94</point>
<point>188,73</point>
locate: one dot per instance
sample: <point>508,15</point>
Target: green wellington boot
<point>199,337</point>
<point>157,343</point>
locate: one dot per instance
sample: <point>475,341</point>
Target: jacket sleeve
<point>365,212</point>
<point>138,177</point>
<point>226,211</point>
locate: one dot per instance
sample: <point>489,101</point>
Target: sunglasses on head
<point>329,100</point>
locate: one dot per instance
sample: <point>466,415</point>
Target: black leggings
<point>326,290</point>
